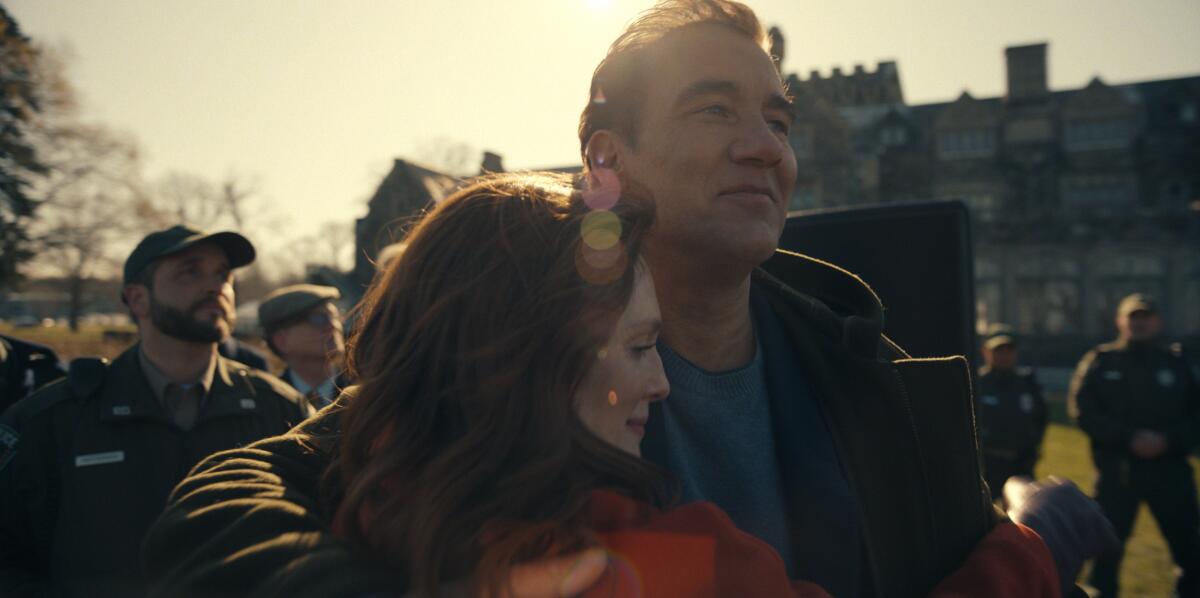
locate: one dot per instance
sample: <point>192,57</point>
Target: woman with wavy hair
<point>506,363</point>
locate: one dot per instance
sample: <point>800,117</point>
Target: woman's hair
<point>461,453</point>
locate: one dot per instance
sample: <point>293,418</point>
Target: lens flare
<point>612,398</point>
<point>597,271</point>
<point>599,98</point>
<point>604,188</point>
<point>601,230</point>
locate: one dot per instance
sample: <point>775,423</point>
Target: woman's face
<point>614,397</point>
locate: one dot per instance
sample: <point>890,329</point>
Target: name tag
<point>989,400</point>
<point>248,403</point>
<point>99,458</point>
<point>122,410</point>
<point>1112,375</point>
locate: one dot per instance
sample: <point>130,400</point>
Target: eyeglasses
<point>318,319</point>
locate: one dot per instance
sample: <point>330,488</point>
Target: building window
<point>1098,134</point>
<point>893,135</point>
<point>1048,307</point>
<point>966,143</point>
<point>1189,113</point>
<point>802,141</point>
<point>1098,191</point>
<point>989,307</point>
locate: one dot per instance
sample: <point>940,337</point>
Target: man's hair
<point>619,82</point>
<point>144,277</point>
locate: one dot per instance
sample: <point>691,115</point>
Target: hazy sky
<point>315,99</point>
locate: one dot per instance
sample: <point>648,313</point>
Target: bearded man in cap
<point>1140,407</point>
<point>1011,412</point>
<point>303,326</point>
<point>90,459</point>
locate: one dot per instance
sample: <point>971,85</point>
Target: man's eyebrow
<point>704,87</point>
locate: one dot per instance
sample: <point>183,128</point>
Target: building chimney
<point>1026,72</point>
<point>492,162</point>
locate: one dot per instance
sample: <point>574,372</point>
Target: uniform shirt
<point>1011,414</point>
<point>323,394</point>
<point>182,401</point>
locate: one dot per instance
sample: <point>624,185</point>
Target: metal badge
<point>122,410</point>
<point>1026,402</point>
<point>1112,375</point>
<point>99,458</point>
<point>248,403</point>
<point>1166,377</point>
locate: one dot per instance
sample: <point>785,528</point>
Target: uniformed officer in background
<point>89,460</point>
<point>303,326</point>
<point>1012,413</point>
<point>1140,406</point>
<point>24,367</point>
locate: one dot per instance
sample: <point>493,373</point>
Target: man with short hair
<point>93,457</point>
<point>303,326</point>
<point>781,412</point>
<point>1011,411</point>
<point>1140,406</point>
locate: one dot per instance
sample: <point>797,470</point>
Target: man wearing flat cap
<point>1140,406</point>
<point>303,326</point>
<point>90,459</point>
<point>1011,415</point>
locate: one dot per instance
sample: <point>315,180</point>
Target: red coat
<point>696,551</point>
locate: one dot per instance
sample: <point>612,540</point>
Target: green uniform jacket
<point>1119,388</point>
<point>1012,413</point>
<point>92,468</point>
<point>251,521</point>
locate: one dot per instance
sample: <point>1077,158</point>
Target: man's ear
<point>279,341</point>
<point>604,150</point>
<point>137,297</point>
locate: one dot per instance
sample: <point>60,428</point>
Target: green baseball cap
<point>291,301</point>
<point>163,243</point>
<point>1137,302</point>
<point>999,335</point>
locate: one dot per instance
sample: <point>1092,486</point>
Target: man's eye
<point>780,126</point>
<point>715,109</point>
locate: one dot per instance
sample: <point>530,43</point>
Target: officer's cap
<point>999,335</point>
<point>1137,302</point>
<point>163,243</point>
<point>291,301</point>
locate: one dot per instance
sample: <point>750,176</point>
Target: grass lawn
<point>1147,569</point>
<point>88,341</point>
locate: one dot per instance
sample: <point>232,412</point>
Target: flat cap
<point>163,243</point>
<point>1137,302</point>
<point>291,301</point>
<point>999,335</point>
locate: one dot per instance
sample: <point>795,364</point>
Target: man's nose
<point>758,145</point>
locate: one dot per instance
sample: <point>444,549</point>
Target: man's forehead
<point>711,52</point>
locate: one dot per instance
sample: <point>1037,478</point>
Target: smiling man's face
<point>712,146</point>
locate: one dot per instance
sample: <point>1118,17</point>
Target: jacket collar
<point>127,394</point>
<point>838,303</point>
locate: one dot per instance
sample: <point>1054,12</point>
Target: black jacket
<point>902,427</point>
<point>96,457</point>
<point>25,367</point>
<point>1119,388</point>
<point>1012,413</point>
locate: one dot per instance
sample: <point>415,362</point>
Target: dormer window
<point>966,143</point>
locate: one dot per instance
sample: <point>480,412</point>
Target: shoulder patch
<point>8,445</point>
